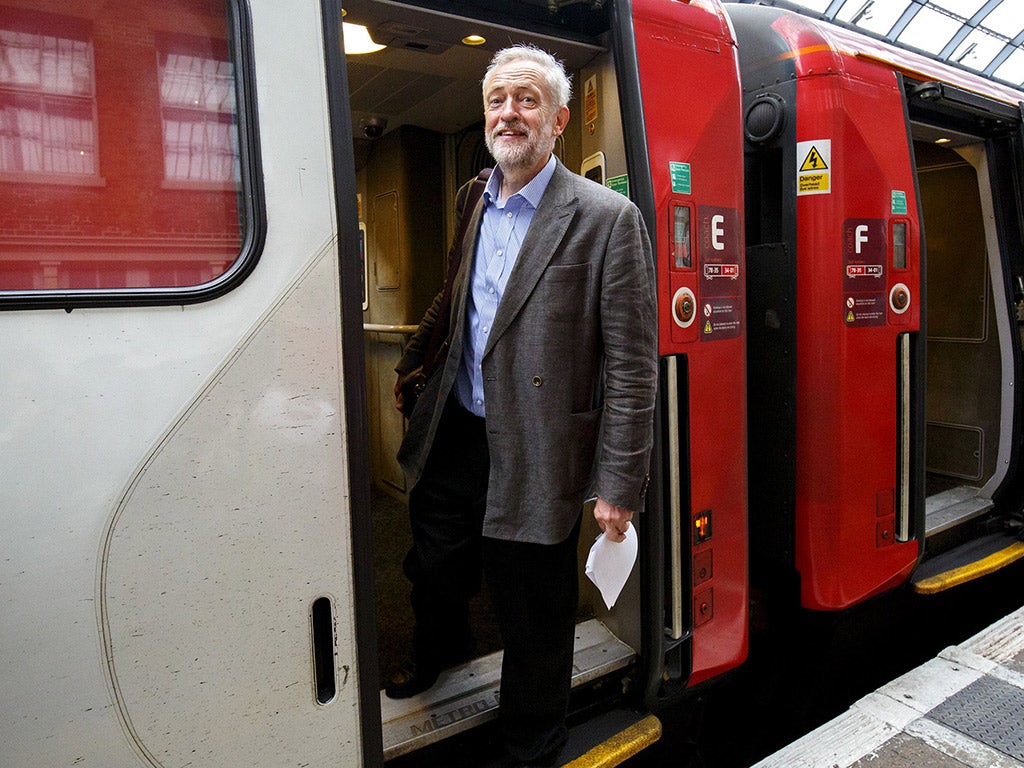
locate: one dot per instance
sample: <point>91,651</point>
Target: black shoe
<point>411,679</point>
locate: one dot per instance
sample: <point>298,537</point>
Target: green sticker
<point>680,173</point>
<point>619,183</point>
<point>899,201</point>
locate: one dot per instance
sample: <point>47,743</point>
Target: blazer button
<point>537,381</point>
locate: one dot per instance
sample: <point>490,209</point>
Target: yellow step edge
<point>965,573</point>
<point>621,746</point>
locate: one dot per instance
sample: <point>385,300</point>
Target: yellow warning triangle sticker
<point>849,317</point>
<point>707,327</point>
<point>814,161</point>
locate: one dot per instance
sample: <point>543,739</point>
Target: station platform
<point>964,708</point>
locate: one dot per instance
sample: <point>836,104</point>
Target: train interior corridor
<point>969,333</point>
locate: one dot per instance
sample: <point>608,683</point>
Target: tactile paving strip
<point>988,710</point>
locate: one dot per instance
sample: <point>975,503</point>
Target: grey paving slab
<point>904,751</point>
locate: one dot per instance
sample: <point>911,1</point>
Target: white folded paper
<point>610,562</point>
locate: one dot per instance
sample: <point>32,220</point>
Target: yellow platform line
<point>965,573</point>
<point>621,746</point>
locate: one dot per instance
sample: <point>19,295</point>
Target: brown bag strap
<point>441,323</point>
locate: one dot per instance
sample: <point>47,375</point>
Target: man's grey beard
<point>513,158</point>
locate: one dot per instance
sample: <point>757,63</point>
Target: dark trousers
<point>534,588</point>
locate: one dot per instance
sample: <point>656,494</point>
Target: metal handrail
<point>404,330</point>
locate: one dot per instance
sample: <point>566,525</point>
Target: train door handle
<point>322,633</point>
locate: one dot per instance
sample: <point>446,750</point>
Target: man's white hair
<point>557,80</point>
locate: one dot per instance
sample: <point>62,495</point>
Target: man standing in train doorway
<point>544,398</point>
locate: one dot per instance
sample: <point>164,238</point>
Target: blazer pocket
<point>562,291</point>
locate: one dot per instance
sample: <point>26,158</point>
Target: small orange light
<point>702,526</point>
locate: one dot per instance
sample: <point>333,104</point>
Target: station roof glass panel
<point>984,36</point>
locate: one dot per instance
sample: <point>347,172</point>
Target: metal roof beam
<point>1016,44</point>
<point>967,27</point>
<point>833,8</point>
<point>902,22</point>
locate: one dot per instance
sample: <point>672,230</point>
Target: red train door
<point>835,359</point>
<point>858,277</point>
<point>691,146</point>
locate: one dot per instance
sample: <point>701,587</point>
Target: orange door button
<point>684,307</point>
<point>899,298</point>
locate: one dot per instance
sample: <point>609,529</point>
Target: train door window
<point>679,237</point>
<point>899,245</point>
<point>124,174</point>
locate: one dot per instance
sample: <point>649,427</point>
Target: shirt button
<point>498,253</point>
<point>537,381</point>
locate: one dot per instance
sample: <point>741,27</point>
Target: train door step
<point>952,507</point>
<point>467,695</point>
<point>978,557</point>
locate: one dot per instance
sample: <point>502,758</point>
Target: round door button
<point>684,307</point>
<point>899,298</point>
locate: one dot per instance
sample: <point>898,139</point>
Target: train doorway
<point>418,135</point>
<point>972,342</point>
<point>969,404</point>
<point>966,148</point>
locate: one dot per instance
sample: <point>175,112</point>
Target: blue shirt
<point>503,226</point>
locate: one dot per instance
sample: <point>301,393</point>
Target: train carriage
<point>219,224</point>
<point>884,227</point>
<point>213,243</point>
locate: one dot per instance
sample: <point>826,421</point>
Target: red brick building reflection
<point>118,144</point>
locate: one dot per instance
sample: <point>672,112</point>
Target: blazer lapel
<point>548,228</point>
<point>460,290</point>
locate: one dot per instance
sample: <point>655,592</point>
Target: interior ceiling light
<point>943,141</point>
<point>358,40</point>
<point>474,40</point>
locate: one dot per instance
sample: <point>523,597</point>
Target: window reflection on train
<point>128,218</point>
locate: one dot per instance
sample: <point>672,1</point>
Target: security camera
<point>373,127</point>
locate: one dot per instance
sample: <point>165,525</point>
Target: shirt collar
<point>532,192</point>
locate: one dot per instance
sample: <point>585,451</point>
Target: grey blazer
<point>570,369</point>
